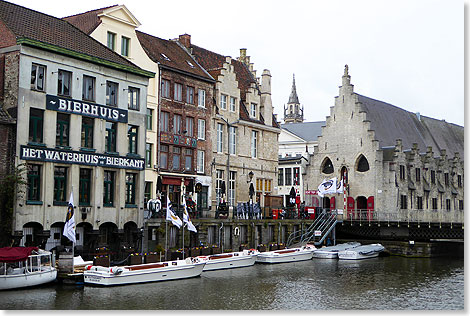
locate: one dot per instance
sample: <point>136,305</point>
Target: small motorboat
<point>361,252</point>
<point>140,273</point>
<point>230,260</point>
<point>331,252</point>
<point>25,266</point>
<point>286,255</point>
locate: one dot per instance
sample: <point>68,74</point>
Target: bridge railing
<point>399,215</point>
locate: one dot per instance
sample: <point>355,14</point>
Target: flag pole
<point>166,238</point>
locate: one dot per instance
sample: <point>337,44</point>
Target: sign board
<point>311,192</point>
<point>339,212</point>
<point>198,187</point>
<point>317,233</point>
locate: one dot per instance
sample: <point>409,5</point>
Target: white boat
<point>149,272</point>
<point>361,252</point>
<point>25,266</point>
<point>331,252</point>
<point>230,260</point>
<point>286,255</point>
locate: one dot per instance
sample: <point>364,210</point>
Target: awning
<point>15,254</point>
<point>174,180</point>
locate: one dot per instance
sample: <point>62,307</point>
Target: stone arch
<point>108,236</point>
<point>327,166</point>
<point>361,206</point>
<point>131,235</point>
<point>31,231</point>
<point>55,240</point>
<point>362,164</point>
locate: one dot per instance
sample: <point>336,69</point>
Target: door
<point>350,205</point>
<point>333,203</point>
<point>370,208</point>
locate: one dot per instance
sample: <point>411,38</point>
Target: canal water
<point>385,283</point>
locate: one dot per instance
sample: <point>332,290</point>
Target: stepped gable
<point>309,131</point>
<point>176,56</point>
<point>87,21</point>
<point>391,123</point>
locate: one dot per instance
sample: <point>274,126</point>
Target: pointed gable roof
<point>293,98</point>
<point>87,21</point>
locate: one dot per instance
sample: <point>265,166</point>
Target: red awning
<point>15,254</point>
<point>174,180</point>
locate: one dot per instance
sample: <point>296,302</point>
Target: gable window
<point>402,172</point>
<point>288,176</point>
<point>223,101</point>
<point>149,120</point>
<point>220,135</point>
<point>165,89</point>
<point>200,161</point>
<point>63,83</point>
<point>165,122</point>
<point>34,182</point>
<point>190,95</point>
<point>363,164</point>
<point>178,94</point>
<point>87,132</point>
<point>418,174</point>
<point>254,144</point>
<point>84,187</point>
<point>177,124</point>
<point>189,126</point>
<point>62,129</point>
<point>403,202</point>
<point>108,188</point>
<point>233,140</point>
<point>88,93</point>
<point>201,129</point>
<point>280,177</point>
<point>111,43</point>
<point>36,118</point>
<point>232,104</point>
<point>125,41</point>
<point>38,77</point>
<point>201,98</point>
<point>130,189</point>
<point>163,162</point>
<point>111,93</point>
<point>148,155</point>
<point>327,166</point>
<point>133,98</point>
<point>132,136</point>
<point>253,109</point>
<point>188,159</point>
<point>60,184</point>
<point>110,137</point>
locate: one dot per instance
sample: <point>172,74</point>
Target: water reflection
<point>379,283</point>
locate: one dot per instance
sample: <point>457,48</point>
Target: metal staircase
<point>324,223</point>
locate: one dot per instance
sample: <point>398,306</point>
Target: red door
<point>370,208</point>
<point>350,205</point>
<point>333,203</point>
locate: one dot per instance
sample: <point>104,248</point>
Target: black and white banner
<point>81,158</point>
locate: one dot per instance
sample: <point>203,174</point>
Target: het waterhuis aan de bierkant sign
<point>71,106</point>
<point>81,158</point>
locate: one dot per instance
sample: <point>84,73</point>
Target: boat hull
<point>331,252</point>
<point>325,254</point>
<point>8,282</point>
<point>275,257</point>
<point>240,261</point>
<point>361,252</point>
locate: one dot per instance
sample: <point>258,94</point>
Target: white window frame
<point>37,83</point>
<point>232,188</point>
<point>133,98</point>
<point>201,129</point>
<point>177,124</point>
<point>233,102</point>
<point>165,88</point>
<point>220,137</point>
<point>189,126</point>
<point>233,140</point>
<point>178,93</point>
<point>223,101</point>
<point>201,98</point>
<point>200,161</point>
<point>165,121</point>
<point>253,109</point>
<point>125,46</point>
<point>254,144</point>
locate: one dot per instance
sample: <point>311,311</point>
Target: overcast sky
<point>407,53</point>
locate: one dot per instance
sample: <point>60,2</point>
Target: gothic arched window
<point>362,164</point>
<point>327,166</point>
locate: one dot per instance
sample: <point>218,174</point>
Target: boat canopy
<point>15,254</point>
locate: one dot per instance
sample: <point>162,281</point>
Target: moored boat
<point>25,266</point>
<point>230,260</point>
<point>286,255</point>
<point>361,252</point>
<point>331,252</point>
<point>149,272</point>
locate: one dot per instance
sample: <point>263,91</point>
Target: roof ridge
<point>87,12</point>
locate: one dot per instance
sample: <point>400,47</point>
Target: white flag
<point>327,187</point>
<point>186,218</point>
<point>340,187</point>
<point>69,227</point>
<point>170,216</point>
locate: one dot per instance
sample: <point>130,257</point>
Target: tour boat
<point>286,255</point>
<point>361,252</point>
<point>25,266</point>
<point>230,260</point>
<point>149,272</point>
<point>331,252</point>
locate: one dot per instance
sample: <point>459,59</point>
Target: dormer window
<point>125,46</point>
<point>165,57</point>
<point>253,109</point>
<point>111,43</point>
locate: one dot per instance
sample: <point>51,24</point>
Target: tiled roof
<point>174,56</point>
<point>391,123</point>
<point>87,21</point>
<point>308,131</point>
<point>21,22</point>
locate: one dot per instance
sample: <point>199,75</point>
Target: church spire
<point>293,113</point>
<point>293,98</point>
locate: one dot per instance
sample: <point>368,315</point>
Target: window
<point>220,135</point>
<point>259,184</point>
<point>434,203</point>
<point>223,101</point>
<point>34,182</point>
<point>288,176</point>
<point>132,138</point>
<point>253,109</point>
<point>232,104</point>
<point>147,193</point>
<point>87,132</point>
<point>84,187</point>
<point>267,185</point>
<point>254,144</point>
<point>200,161</point>
<point>188,159</point>
<point>178,93</point>
<point>459,181</point>
<point>38,74</point>
<point>219,179</point>
<point>403,202</point>
<point>125,41</point>
<point>165,88</point>
<point>62,129</point>
<point>231,188</point>
<point>177,124</point>
<point>108,188</point>
<point>419,202</point>
<point>446,178</point>
<point>165,122</point>
<point>433,177</point>
<point>110,137</point>
<point>63,83</point>
<point>164,156</point>
<point>130,188</point>
<point>418,174</point>
<point>460,205</point>
<point>148,155</point>
<point>280,177</point>
<point>190,95</point>
<point>327,166</point>
<point>190,126</point>
<point>201,129</point>
<point>149,120</point>
<point>232,140</point>
<point>176,158</point>
<point>60,185</point>
<point>201,98</point>
<point>296,180</point>
<point>111,41</point>
<point>363,164</point>
<point>448,204</point>
<point>402,172</point>
<point>133,98</point>
<point>111,93</point>
<point>88,93</point>
<point>36,118</point>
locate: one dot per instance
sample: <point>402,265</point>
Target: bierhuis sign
<point>107,113</point>
<point>81,158</point>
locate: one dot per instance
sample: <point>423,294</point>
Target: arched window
<point>327,166</point>
<point>362,164</point>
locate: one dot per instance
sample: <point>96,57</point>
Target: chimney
<point>185,39</point>
<point>242,57</point>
